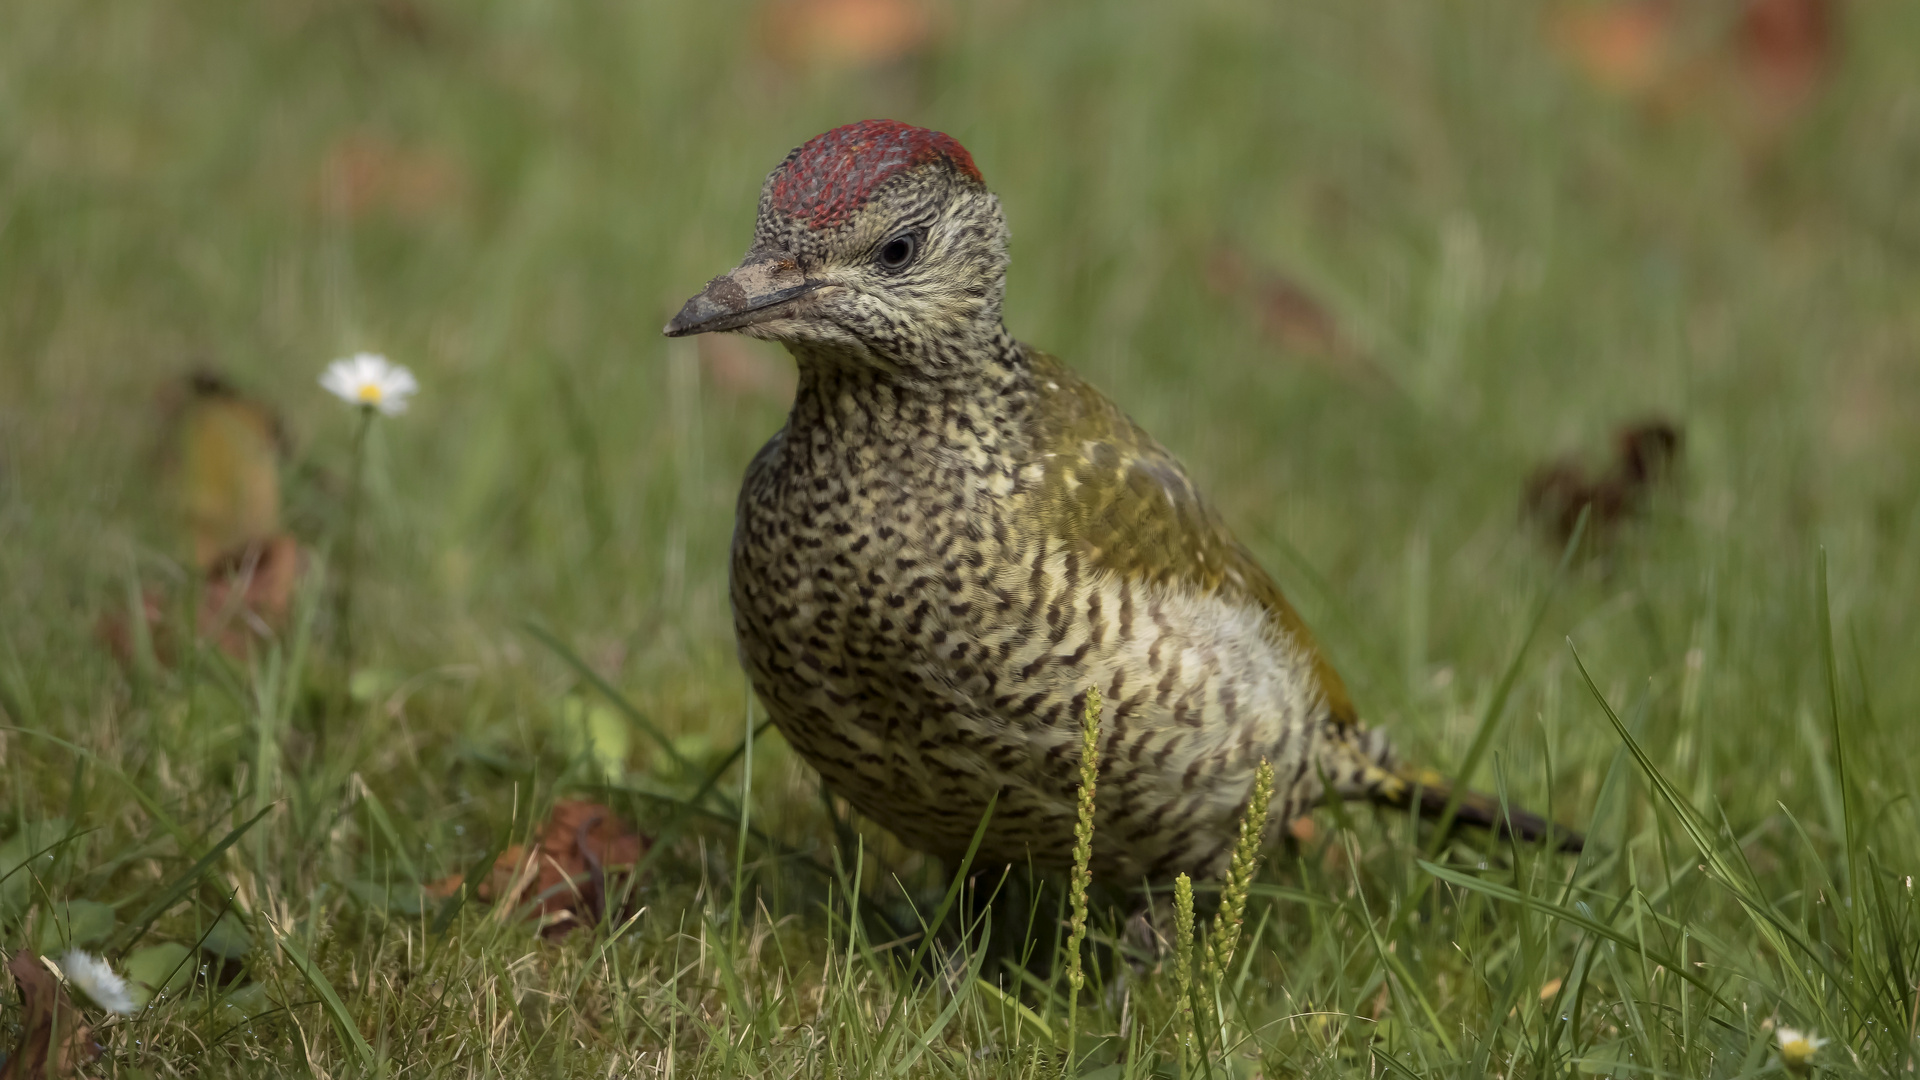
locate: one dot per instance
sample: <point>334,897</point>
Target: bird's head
<point>877,244</point>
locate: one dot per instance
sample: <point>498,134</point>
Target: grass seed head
<point>1246,862</point>
<point>1183,959</point>
<point>1083,835</point>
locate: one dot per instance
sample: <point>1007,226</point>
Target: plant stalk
<point>1082,865</point>
<point>350,551</point>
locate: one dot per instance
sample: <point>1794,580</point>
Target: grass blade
<point>1008,1001</point>
<point>946,904</point>
<point>336,1009</point>
<point>1776,928</point>
<point>146,801</point>
<point>378,811</point>
<point>1503,690</point>
<point>1570,916</point>
<point>610,692</point>
<point>469,884</point>
<point>177,888</point>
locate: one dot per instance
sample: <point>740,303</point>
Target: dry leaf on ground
<point>1627,48</point>
<point>222,465</point>
<point>222,461</point>
<point>246,598</point>
<point>55,1039</point>
<point>584,851</point>
<point>1786,48</point>
<point>1645,453</point>
<point>1291,317</point>
<point>365,174</point>
<point>845,33</point>
<point>1763,67</point>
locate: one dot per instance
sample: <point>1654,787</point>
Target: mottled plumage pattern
<point>923,615</point>
<point>955,536</point>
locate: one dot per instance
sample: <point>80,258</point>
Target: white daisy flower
<point>1797,1047</point>
<point>94,978</point>
<point>372,381</point>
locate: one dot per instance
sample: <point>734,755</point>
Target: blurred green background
<point>1511,255</point>
<point>1365,267</point>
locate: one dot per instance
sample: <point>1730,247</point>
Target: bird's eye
<point>898,252</point>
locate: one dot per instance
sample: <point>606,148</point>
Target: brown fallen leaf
<point>249,593</point>
<point>1291,317</point>
<point>1758,70</point>
<point>246,598</point>
<point>584,850</point>
<point>1627,48</point>
<point>55,1039</point>
<point>364,174</point>
<point>222,462</point>
<point>845,33</point>
<point>406,19</point>
<point>1786,50</point>
<point>1645,453</point>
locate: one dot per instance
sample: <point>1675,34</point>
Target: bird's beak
<point>762,287</point>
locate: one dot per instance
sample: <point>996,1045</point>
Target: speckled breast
<point>924,642</point>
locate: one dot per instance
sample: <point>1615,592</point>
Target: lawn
<point>1364,267</point>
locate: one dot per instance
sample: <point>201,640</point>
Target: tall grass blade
<point>342,1020</point>
<point>469,886</point>
<point>1780,933</point>
<point>377,810</point>
<point>613,695</point>
<point>1496,708</point>
<point>1571,917</point>
<point>147,802</point>
<point>138,925</point>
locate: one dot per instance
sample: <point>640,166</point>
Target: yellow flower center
<point>370,393</point>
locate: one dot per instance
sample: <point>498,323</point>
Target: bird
<point>954,539</point>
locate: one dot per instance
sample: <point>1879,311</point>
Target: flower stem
<point>349,552</point>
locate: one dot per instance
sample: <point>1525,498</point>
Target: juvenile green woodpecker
<point>955,536</point>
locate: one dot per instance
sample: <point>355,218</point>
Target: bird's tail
<point>1366,769</point>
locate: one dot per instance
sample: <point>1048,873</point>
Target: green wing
<point>1112,488</point>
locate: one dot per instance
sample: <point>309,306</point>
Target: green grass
<point>1528,259</point>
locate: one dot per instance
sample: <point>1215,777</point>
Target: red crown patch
<point>824,181</point>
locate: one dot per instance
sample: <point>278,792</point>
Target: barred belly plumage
<point>929,649</point>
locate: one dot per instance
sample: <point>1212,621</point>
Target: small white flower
<point>370,380</point>
<point>94,978</point>
<point>1797,1047</point>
